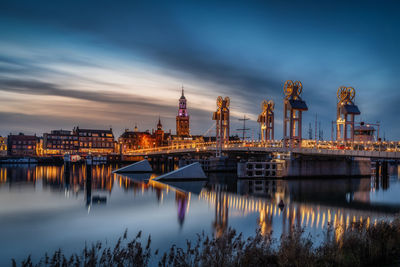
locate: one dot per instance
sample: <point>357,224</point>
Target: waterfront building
<point>182,120</point>
<point>3,146</point>
<point>186,141</point>
<point>161,138</point>
<point>22,145</point>
<point>364,133</point>
<point>93,141</point>
<point>132,140</point>
<point>159,134</point>
<point>59,142</point>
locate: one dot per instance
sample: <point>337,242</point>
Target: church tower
<point>182,120</point>
<point>159,133</point>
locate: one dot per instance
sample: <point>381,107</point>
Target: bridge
<point>348,154</point>
<point>377,150</point>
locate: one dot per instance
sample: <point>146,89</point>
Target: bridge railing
<point>276,144</point>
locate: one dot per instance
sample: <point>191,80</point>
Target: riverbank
<point>360,244</point>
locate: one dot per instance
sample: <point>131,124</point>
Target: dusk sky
<point>116,63</point>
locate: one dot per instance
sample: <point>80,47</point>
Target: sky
<point>101,64</point>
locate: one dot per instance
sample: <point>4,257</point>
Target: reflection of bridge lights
<point>308,215</point>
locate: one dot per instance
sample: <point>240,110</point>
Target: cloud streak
<point>245,51</point>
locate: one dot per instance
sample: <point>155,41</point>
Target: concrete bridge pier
<point>311,166</point>
<point>156,163</point>
<point>167,163</point>
<point>377,174</point>
<point>170,163</point>
<point>384,175</point>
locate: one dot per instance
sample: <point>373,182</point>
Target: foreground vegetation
<point>358,245</point>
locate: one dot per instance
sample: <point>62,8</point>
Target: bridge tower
<point>221,117</point>
<point>346,110</point>
<point>266,120</point>
<point>293,108</point>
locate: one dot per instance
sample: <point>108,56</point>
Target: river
<point>42,210</point>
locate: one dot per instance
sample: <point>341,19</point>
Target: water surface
<point>41,209</point>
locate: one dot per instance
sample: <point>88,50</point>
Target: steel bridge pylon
<point>221,116</point>
<point>346,110</point>
<point>266,120</point>
<point>293,108</point>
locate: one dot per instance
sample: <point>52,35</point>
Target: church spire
<point>183,93</point>
<point>159,125</point>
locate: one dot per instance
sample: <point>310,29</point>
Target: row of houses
<point>99,142</point>
<point>85,141</point>
<point>59,142</point>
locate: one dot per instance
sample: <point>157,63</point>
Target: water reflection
<point>305,203</point>
<point>227,201</point>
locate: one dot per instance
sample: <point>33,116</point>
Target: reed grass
<point>358,245</point>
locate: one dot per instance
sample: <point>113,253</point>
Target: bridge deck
<point>369,150</point>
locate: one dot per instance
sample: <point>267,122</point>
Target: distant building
<point>159,134</point>
<point>161,138</point>
<point>186,140</point>
<point>182,120</point>
<point>22,145</point>
<point>95,141</point>
<point>3,146</point>
<point>59,142</point>
<point>364,133</point>
<point>132,140</point>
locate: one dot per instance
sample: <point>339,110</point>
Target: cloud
<point>244,51</point>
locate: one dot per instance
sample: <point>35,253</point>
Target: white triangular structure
<point>140,166</point>
<point>189,172</point>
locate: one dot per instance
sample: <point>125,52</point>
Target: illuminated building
<point>364,133</point>
<point>132,140</point>
<point>59,142</point>
<point>186,140</point>
<point>3,146</point>
<point>182,120</point>
<point>22,145</point>
<point>95,141</point>
<point>161,138</point>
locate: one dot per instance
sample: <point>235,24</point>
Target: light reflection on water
<point>41,209</point>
